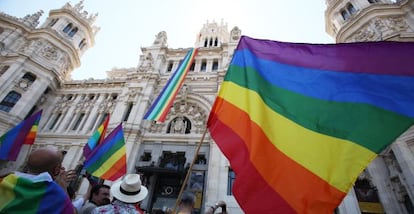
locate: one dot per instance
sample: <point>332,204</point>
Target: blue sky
<point>128,25</point>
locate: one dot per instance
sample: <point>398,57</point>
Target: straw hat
<point>129,190</point>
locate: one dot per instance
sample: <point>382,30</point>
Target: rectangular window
<point>80,118</point>
<point>230,181</point>
<point>215,65</point>
<point>170,66</point>
<point>9,101</point>
<point>146,156</point>
<point>128,111</point>
<point>203,66</point>
<point>53,124</point>
<point>192,67</point>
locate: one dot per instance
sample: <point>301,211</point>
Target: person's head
<point>45,160</point>
<point>187,201</point>
<point>129,190</point>
<point>100,194</point>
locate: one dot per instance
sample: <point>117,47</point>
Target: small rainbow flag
<point>299,122</point>
<point>24,133</point>
<point>161,106</point>
<point>108,159</point>
<point>24,193</point>
<point>97,138</point>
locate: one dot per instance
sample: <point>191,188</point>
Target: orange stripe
<point>118,168</point>
<point>30,138</point>
<point>291,180</point>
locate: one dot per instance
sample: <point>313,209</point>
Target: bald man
<point>36,191</point>
<point>45,160</point>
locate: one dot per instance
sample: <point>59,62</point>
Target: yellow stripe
<point>334,160</point>
<point>6,190</point>
<point>110,162</point>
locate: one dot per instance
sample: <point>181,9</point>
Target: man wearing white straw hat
<point>127,194</point>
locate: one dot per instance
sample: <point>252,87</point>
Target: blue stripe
<point>390,92</point>
<point>7,141</point>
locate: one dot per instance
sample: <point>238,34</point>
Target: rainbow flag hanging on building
<point>97,138</point>
<point>299,122</point>
<point>108,159</point>
<point>24,133</point>
<point>162,104</point>
<point>24,193</point>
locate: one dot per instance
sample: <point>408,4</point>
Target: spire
<point>32,20</point>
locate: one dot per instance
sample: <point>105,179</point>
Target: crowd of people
<point>43,188</point>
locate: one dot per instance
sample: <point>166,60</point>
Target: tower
<point>35,61</point>
<point>370,20</point>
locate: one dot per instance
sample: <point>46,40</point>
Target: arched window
<point>215,42</point>
<point>68,28</point>
<point>53,22</point>
<point>211,42</point>
<point>179,125</point>
<point>82,43</point>
<point>351,9</point>
<point>205,42</point>
<point>9,101</point>
<point>30,78</point>
<point>3,69</point>
<point>73,32</point>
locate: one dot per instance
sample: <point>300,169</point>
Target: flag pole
<point>189,171</point>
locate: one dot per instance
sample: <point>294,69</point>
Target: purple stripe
<point>363,57</point>
<point>55,200</point>
<point>15,137</point>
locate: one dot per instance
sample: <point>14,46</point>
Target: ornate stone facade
<point>35,67</point>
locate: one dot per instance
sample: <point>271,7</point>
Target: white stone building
<point>35,67</point>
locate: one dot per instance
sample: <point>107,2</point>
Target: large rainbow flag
<point>24,193</point>
<point>162,104</point>
<point>108,159</point>
<point>299,122</point>
<point>96,138</point>
<point>24,133</point>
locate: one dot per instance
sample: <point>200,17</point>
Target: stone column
<point>349,204</point>
<point>378,171</point>
<point>93,114</point>
<point>405,159</point>
<point>68,116</point>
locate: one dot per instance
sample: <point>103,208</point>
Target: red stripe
<point>252,192</point>
<point>292,181</point>
<point>117,170</point>
<point>30,138</point>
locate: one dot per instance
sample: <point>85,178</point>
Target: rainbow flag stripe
<point>299,122</point>
<point>24,133</point>
<point>108,159</point>
<point>97,138</point>
<point>161,106</point>
<point>33,194</point>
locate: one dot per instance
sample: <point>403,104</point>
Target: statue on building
<point>32,20</point>
<point>147,63</point>
<point>235,34</point>
<point>161,38</point>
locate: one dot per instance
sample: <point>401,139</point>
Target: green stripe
<point>32,192</point>
<point>366,125</point>
<point>106,156</point>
